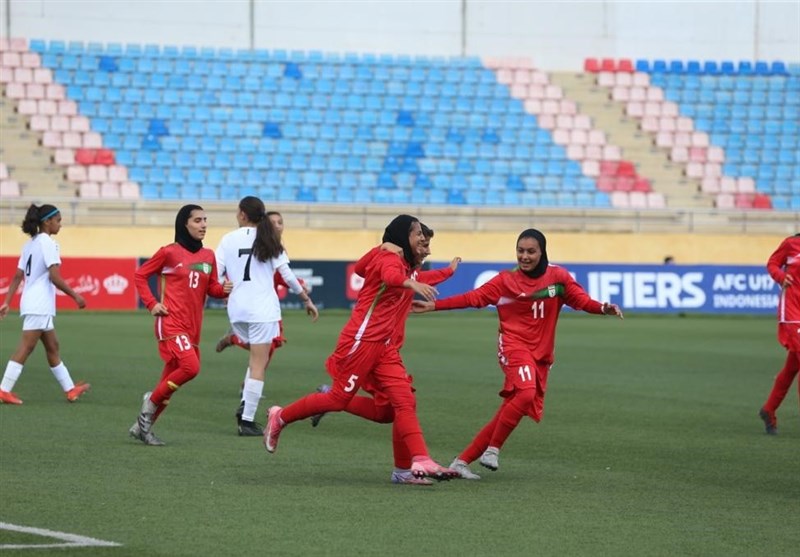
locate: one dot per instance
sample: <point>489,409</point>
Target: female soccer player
<point>39,267</point>
<point>251,256</point>
<point>528,299</point>
<point>782,266</point>
<point>364,350</point>
<point>187,274</point>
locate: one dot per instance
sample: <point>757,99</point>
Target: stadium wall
<point>558,35</point>
<point>349,245</point>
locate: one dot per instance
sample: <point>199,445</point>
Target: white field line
<point>69,540</point>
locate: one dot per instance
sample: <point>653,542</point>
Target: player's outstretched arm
<point>612,309</point>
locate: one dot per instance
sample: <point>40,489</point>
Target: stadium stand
<point>163,122</point>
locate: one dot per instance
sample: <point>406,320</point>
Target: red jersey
<point>786,261</point>
<point>432,278</point>
<point>527,308</point>
<point>379,306</point>
<point>185,280</point>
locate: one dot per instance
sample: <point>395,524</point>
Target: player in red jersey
<point>187,274</point>
<point>528,300</point>
<point>377,406</point>
<point>784,268</point>
<point>364,350</point>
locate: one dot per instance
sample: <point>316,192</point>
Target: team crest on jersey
<point>551,291</point>
<point>204,268</point>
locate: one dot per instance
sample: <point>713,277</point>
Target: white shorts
<point>257,333</point>
<point>37,323</point>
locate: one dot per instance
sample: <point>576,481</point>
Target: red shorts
<point>390,372</point>
<point>352,363</point>
<point>523,372</point>
<point>789,336</point>
<point>178,351</point>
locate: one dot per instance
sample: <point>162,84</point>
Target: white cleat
<point>489,459</point>
<point>462,468</point>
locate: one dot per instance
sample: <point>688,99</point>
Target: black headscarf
<point>397,233</point>
<point>182,235</point>
<point>543,262</point>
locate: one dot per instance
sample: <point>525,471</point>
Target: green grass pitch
<point>650,445</point>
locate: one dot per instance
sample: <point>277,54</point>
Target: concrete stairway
<point>29,163</point>
<point>637,146</point>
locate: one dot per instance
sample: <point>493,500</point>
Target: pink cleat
<point>273,429</point>
<point>7,397</point>
<point>75,392</point>
<point>424,466</point>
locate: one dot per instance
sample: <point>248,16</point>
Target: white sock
<point>61,373</point>
<point>13,371</point>
<point>252,393</point>
<point>247,375</point>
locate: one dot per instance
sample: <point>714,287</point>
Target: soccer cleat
<point>423,466</point>
<point>224,342</point>
<point>273,429</point>
<point>249,429</point>
<point>489,459</point>
<point>145,419</point>
<point>405,477</point>
<point>75,392</point>
<point>7,397</point>
<point>148,438</point>
<point>315,419</point>
<point>462,468</point>
<point>239,412</point>
<point>770,421</point>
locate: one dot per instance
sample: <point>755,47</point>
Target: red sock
<point>519,404</point>
<point>365,407</point>
<point>402,456</point>
<point>315,403</point>
<point>481,440</point>
<point>186,371</point>
<point>406,423</point>
<point>782,382</point>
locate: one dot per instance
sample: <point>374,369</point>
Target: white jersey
<point>39,293</point>
<point>253,298</point>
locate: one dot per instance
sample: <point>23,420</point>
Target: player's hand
<point>312,310</point>
<point>394,248</point>
<point>80,301</point>
<point>788,280</point>
<point>419,306</point>
<point>612,309</point>
<point>425,290</point>
<point>454,263</point>
<point>227,286</point>
<point>3,310</point>
<point>158,310</point>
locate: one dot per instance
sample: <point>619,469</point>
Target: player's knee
<point>524,397</point>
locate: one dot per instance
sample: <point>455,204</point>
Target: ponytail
<point>267,244</point>
<point>35,216</point>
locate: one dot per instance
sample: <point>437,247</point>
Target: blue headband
<point>48,215</point>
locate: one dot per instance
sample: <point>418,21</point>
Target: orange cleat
<point>425,467</point>
<point>7,397</point>
<point>75,392</point>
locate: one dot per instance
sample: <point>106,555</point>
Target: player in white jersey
<point>39,267</point>
<point>249,257</point>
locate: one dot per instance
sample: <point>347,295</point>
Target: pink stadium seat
<point>590,65</point>
<point>23,75</point>
<point>35,91</point>
<point>579,137</point>
<point>743,201</point>
<point>539,78</point>
<point>3,171</point>
<point>669,108</point>
<point>712,169</point>
<point>97,173</point>
<point>626,168</point>
<point>655,94</point>
<point>561,137</point>
<point>72,140</point>
<point>656,200</point>
<point>622,79</point>
<point>67,108</point>
<point>491,62</point>
<point>547,121</point>
<point>726,184</point>
<point>716,154</point>
<point>11,60</point>
<point>117,173</point>
<point>105,157</point>
<point>553,92</point>
<point>683,139</point>
<point>652,109</point>
<point>641,79</point>
<point>694,170</point>
<point>92,140</point>
<point>52,140</point>
<point>761,201</point>
<point>642,184</point>
<point>31,60</point>
<point>6,75</point>
<point>109,190</point>
<point>621,94</point>
<point>536,91</point>
<point>39,123</point>
<point>637,94</point>
<point>4,44</point>
<point>696,154</point>
<point>27,107</point>
<point>89,190</point>
<point>550,107</point>
<point>566,106</point>
<point>610,152</point>
<point>76,173</point>
<point>624,183</point>
<point>85,157</point>
<point>591,168</point>
<point>60,124</point>
<point>625,65</point>
<point>667,124</point>
<point>606,79</point>
<point>129,190</point>
<point>593,153</point>
<point>634,109</point>
<point>504,76</point>
<point>56,92</point>
<point>664,139</point>
<point>64,157</point>
<point>18,44</point>
<point>564,121</point>
<point>9,188</point>
<point>597,137</point>
<point>522,76</point>
<point>43,76</point>
<point>746,185</point>
<point>699,139</point>
<point>524,62</point>
<point>582,122</point>
<point>609,168</point>
<point>46,107</point>
<point>519,91</point>
<point>606,183</point>
<point>684,124</point>
<point>533,106</point>
<point>710,185</point>
<point>608,65</point>
<point>620,199</point>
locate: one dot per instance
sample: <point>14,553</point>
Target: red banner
<point>104,283</point>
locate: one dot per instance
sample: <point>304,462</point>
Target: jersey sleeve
<point>577,298</point>
<point>435,276</point>
<point>281,264</point>
<point>140,278</point>
<point>50,252</point>
<point>361,265</point>
<point>391,268</point>
<point>215,289</point>
<point>776,261</point>
<point>487,294</point>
